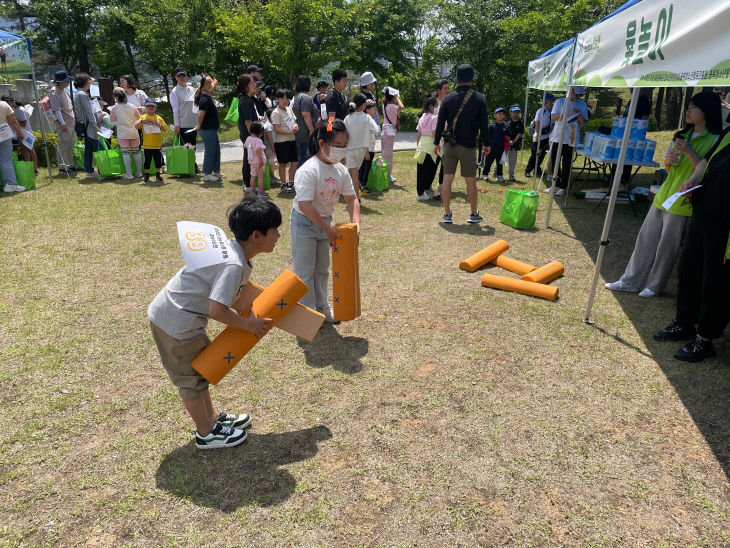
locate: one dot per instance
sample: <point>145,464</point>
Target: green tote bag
<point>108,161</point>
<point>232,115</point>
<point>378,179</point>
<point>78,154</point>
<point>519,208</point>
<point>25,174</point>
<point>180,159</point>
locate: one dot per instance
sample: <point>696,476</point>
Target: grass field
<point>447,415</point>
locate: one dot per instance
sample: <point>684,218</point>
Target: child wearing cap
<point>515,131</point>
<point>496,133</point>
<point>152,126</point>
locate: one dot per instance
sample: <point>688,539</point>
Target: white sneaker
<point>647,293</point>
<point>328,316</point>
<point>559,192</point>
<point>14,188</point>
<point>246,189</point>
<point>127,176</point>
<point>423,197</point>
<point>91,175</point>
<point>620,286</point>
<point>220,436</point>
<point>210,177</point>
<point>500,179</point>
<point>547,190</point>
<point>219,174</point>
<point>138,175</point>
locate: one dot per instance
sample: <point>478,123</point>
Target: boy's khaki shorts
<point>176,356</point>
<point>457,154</point>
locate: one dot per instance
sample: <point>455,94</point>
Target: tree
<point>16,10</point>
<point>114,40</point>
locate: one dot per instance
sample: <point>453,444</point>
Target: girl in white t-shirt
<point>318,183</point>
<point>359,125</point>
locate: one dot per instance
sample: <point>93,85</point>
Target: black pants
<point>703,294</point>
<point>537,155</point>
<point>190,139</point>
<point>152,154</point>
<point>364,170</point>
<point>565,165</point>
<point>425,173</point>
<point>491,157</point>
<point>245,169</point>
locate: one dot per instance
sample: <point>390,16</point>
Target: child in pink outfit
<point>256,157</point>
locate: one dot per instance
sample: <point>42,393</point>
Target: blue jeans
<point>6,163</point>
<point>212,155</point>
<point>303,152</point>
<point>311,257</point>
<point>90,146</point>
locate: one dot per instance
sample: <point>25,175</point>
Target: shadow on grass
<point>468,228</point>
<point>703,388</point>
<point>329,348</point>
<point>249,474</point>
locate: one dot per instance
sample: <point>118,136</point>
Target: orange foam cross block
<point>513,265</point>
<point>549,292</point>
<point>545,274</point>
<point>346,274</point>
<point>484,256</point>
<point>227,349</point>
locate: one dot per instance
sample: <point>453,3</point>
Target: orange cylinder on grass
<point>484,256</point>
<point>228,348</point>
<point>346,274</point>
<point>549,292</point>
<point>545,274</point>
<point>513,265</point>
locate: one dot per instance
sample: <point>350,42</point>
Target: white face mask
<point>336,154</point>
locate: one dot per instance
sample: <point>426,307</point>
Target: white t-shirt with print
<point>321,184</point>
<point>359,125</point>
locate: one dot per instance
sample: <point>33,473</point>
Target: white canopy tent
<point>649,43</point>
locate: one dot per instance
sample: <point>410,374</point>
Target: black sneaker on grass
<point>695,350</point>
<point>232,420</point>
<point>158,177</point>
<point>447,218</point>
<point>220,436</point>
<point>675,332</point>
<point>146,178</point>
<point>475,218</point>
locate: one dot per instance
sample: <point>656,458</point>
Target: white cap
<point>367,78</point>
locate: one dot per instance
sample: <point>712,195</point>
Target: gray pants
<point>512,159</point>
<point>6,162</point>
<point>65,148</point>
<point>656,251</point>
<point>310,251</point>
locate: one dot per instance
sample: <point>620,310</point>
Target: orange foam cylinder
<point>545,274</point>
<point>228,348</point>
<point>484,256</point>
<point>549,292</point>
<point>513,265</point>
<point>346,274</point>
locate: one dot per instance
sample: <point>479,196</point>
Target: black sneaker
<point>695,350</point>
<point>675,332</point>
<point>447,218</point>
<point>232,420</point>
<point>475,218</point>
<point>146,178</point>
<point>158,177</point>
<point>220,436</point>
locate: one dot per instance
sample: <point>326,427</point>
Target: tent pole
<point>558,156</point>
<point>40,114</point>
<point>527,97</point>
<point>537,154</point>
<point>611,204</point>
<point>681,108</point>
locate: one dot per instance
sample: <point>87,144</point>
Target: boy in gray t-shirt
<point>179,315</point>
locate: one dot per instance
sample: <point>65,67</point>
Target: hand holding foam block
<point>346,274</point>
<point>484,256</point>
<point>545,274</point>
<point>227,349</point>
<point>513,265</point>
<point>543,291</point>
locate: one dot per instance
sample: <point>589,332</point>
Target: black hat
<point>465,73</point>
<point>179,70</point>
<point>61,76</point>
<point>253,68</point>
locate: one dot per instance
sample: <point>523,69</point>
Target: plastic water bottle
<point>672,147</point>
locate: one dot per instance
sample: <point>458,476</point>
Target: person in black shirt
<point>703,292</point>
<point>247,114</point>
<point>336,101</point>
<point>208,124</point>
<point>496,134</point>
<point>460,141</point>
<point>515,132</point>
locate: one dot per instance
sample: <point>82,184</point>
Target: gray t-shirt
<point>303,103</point>
<point>181,308</point>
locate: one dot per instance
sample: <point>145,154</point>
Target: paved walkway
<point>232,151</point>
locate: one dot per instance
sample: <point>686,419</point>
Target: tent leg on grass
<point>611,204</point>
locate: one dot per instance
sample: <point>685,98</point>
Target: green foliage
<point>409,118</point>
